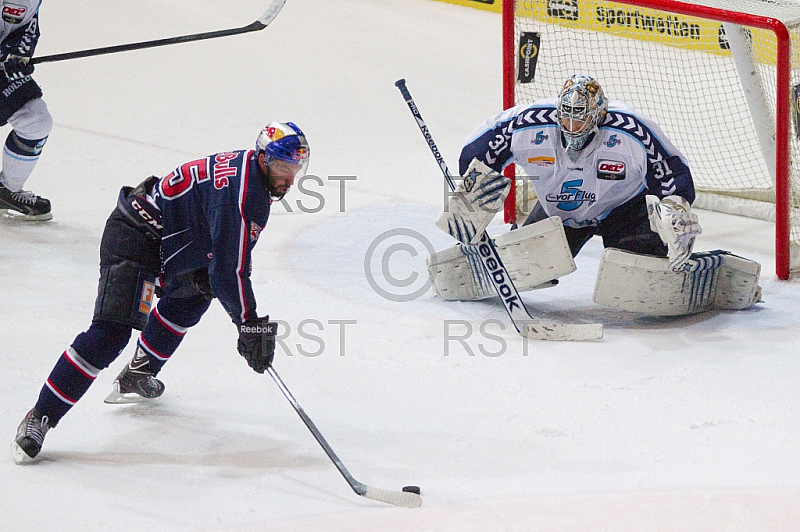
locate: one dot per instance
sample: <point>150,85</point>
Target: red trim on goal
<point>509,76</point>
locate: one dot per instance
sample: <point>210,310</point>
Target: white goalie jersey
<point>629,153</point>
<point>16,15</point>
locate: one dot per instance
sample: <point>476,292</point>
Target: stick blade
<point>272,12</point>
<point>563,332</point>
<point>398,498</point>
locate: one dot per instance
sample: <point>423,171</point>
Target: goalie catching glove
<point>677,226</point>
<point>257,342</point>
<point>477,198</point>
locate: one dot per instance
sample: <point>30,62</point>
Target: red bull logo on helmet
<point>300,154</point>
<point>285,142</point>
<point>276,132</point>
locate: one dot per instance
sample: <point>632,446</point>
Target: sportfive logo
<point>13,13</point>
<point>611,170</point>
<point>146,297</point>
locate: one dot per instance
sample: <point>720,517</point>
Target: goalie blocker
<point>479,195</point>
<point>645,284</point>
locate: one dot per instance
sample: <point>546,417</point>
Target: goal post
<point>721,78</point>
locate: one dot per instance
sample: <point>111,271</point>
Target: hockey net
<point>721,78</point>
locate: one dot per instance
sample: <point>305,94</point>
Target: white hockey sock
<point>19,159</point>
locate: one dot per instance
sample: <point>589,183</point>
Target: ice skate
<point>30,437</point>
<point>136,383</point>
<point>24,205</point>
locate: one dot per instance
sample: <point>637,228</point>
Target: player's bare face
<point>281,177</point>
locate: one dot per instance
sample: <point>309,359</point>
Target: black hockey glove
<point>16,67</point>
<point>257,342</point>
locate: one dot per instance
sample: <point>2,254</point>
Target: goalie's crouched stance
<point>637,273</point>
<point>607,171</point>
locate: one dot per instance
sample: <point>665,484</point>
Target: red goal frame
<point>783,103</point>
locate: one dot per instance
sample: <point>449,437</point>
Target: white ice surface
<point>665,424</point>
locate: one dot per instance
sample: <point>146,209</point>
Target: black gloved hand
<point>202,283</point>
<point>257,342</point>
<point>16,67</point>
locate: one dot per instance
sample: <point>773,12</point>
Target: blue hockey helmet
<point>581,106</point>
<point>284,141</point>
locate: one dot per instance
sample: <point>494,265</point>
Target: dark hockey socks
<point>159,339</point>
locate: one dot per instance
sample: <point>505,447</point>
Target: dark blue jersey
<point>213,210</point>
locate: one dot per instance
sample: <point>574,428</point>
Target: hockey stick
<point>398,498</point>
<point>525,324</point>
<point>262,22</point>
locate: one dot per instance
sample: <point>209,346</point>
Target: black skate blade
<point>117,398</point>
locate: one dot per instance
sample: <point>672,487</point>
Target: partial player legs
<point>73,374</point>
<point>628,228</point>
<point>136,383</point>
<point>30,436</point>
<point>32,124</point>
<point>160,338</point>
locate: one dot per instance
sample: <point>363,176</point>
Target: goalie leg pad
<point>534,256</point>
<point>645,284</point>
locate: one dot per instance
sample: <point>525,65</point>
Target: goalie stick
<point>398,498</point>
<point>525,324</point>
<point>261,23</point>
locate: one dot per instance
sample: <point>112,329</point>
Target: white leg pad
<point>534,255</point>
<point>644,284</point>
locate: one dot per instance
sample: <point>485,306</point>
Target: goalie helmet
<point>581,106</point>
<point>284,141</point>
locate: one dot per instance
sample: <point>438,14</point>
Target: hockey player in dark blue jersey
<point>188,237</point>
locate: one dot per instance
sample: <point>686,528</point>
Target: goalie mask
<point>581,106</point>
<point>286,154</point>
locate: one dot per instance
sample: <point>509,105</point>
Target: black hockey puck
<point>411,489</point>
